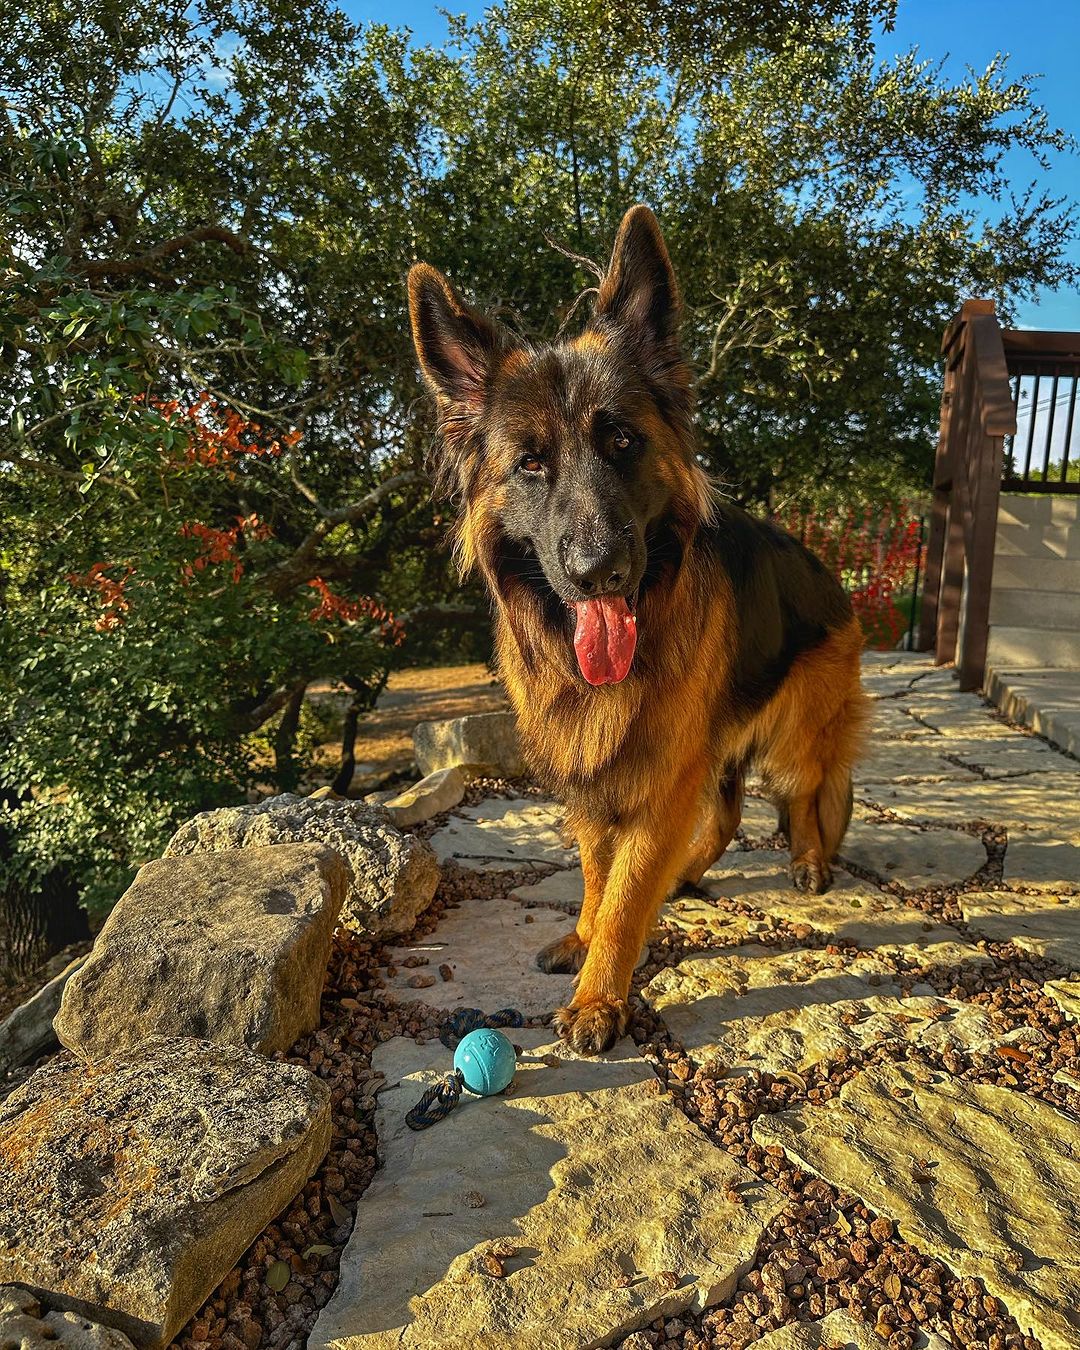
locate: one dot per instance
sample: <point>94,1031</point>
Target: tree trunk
<point>38,918</point>
<point>38,921</point>
<point>364,698</point>
<point>286,769</point>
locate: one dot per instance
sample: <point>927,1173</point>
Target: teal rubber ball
<point>486,1061</point>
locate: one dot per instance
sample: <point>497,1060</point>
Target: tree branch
<point>70,475</point>
<point>294,571</point>
<point>253,719</point>
<point>146,262</point>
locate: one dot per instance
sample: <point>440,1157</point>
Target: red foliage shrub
<point>108,590</point>
<point>873,554</point>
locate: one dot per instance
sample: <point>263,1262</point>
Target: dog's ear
<point>458,348</point>
<point>639,301</point>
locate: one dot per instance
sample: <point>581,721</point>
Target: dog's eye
<point>531,464</point>
<point>621,440</point>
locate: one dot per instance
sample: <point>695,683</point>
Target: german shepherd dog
<point>655,640</point>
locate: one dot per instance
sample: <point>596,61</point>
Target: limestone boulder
<point>608,1206</point>
<point>394,875</point>
<point>229,947</point>
<point>995,1196</point>
<point>484,743</point>
<point>28,1031</point>
<point>129,1189</point>
<point>439,791</point>
<point>26,1325</point>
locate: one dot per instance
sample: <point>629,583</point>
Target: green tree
<point>211,435</point>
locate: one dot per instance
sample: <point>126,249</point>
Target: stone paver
<point>886,674</point>
<point>953,715</point>
<point>753,1008</point>
<point>759,818</point>
<point>1002,1202</point>
<point>691,914</point>
<point>1047,700</point>
<point>490,947</point>
<point>562,890</point>
<point>898,762</point>
<point>1010,756</point>
<point>1048,802</point>
<point>739,866</point>
<point>500,834</point>
<point>129,1189</point>
<point>614,1206</point>
<point>890,721</point>
<point>851,911</point>
<point>1042,863</point>
<point>915,858</point>
<point>1042,924</point>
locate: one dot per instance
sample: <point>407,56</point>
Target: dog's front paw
<point>810,873</point>
<point>593,1025</point>
<point>565,956</point>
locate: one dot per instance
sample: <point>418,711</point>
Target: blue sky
<point>1042,37</point>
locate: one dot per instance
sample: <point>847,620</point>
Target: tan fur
<point>651,767</point>
<point>653,744</point>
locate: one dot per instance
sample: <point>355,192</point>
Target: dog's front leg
<point>567,954</point>
<point>647,854</point>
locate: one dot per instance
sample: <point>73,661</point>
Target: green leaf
<point>278,1276</point>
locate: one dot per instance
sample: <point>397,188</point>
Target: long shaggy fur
<point>747,654</point>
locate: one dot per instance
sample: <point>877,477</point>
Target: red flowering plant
<point>199,596</point>
<point>874,552</point>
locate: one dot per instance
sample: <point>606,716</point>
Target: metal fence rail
<point>1044,372</point>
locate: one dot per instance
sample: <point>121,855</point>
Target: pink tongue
<point>604,639</point>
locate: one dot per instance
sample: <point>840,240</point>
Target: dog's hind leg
<point>810,869</point>
<point>834,803</point>
<point>567,954</point>
<point>720,820</point>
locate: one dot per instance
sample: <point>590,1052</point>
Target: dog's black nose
<point>596,571</point>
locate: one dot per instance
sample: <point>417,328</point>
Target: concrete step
<point>1052,540</point>
<point>1024,648</point>
<point>1043,509</point>
<point>1048,701</point>
<point>1058,610</point>
<point>1012,572</point>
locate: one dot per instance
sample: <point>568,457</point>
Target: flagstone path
<point>841,1120</point>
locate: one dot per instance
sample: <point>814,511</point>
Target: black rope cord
<point>441,1098</point>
